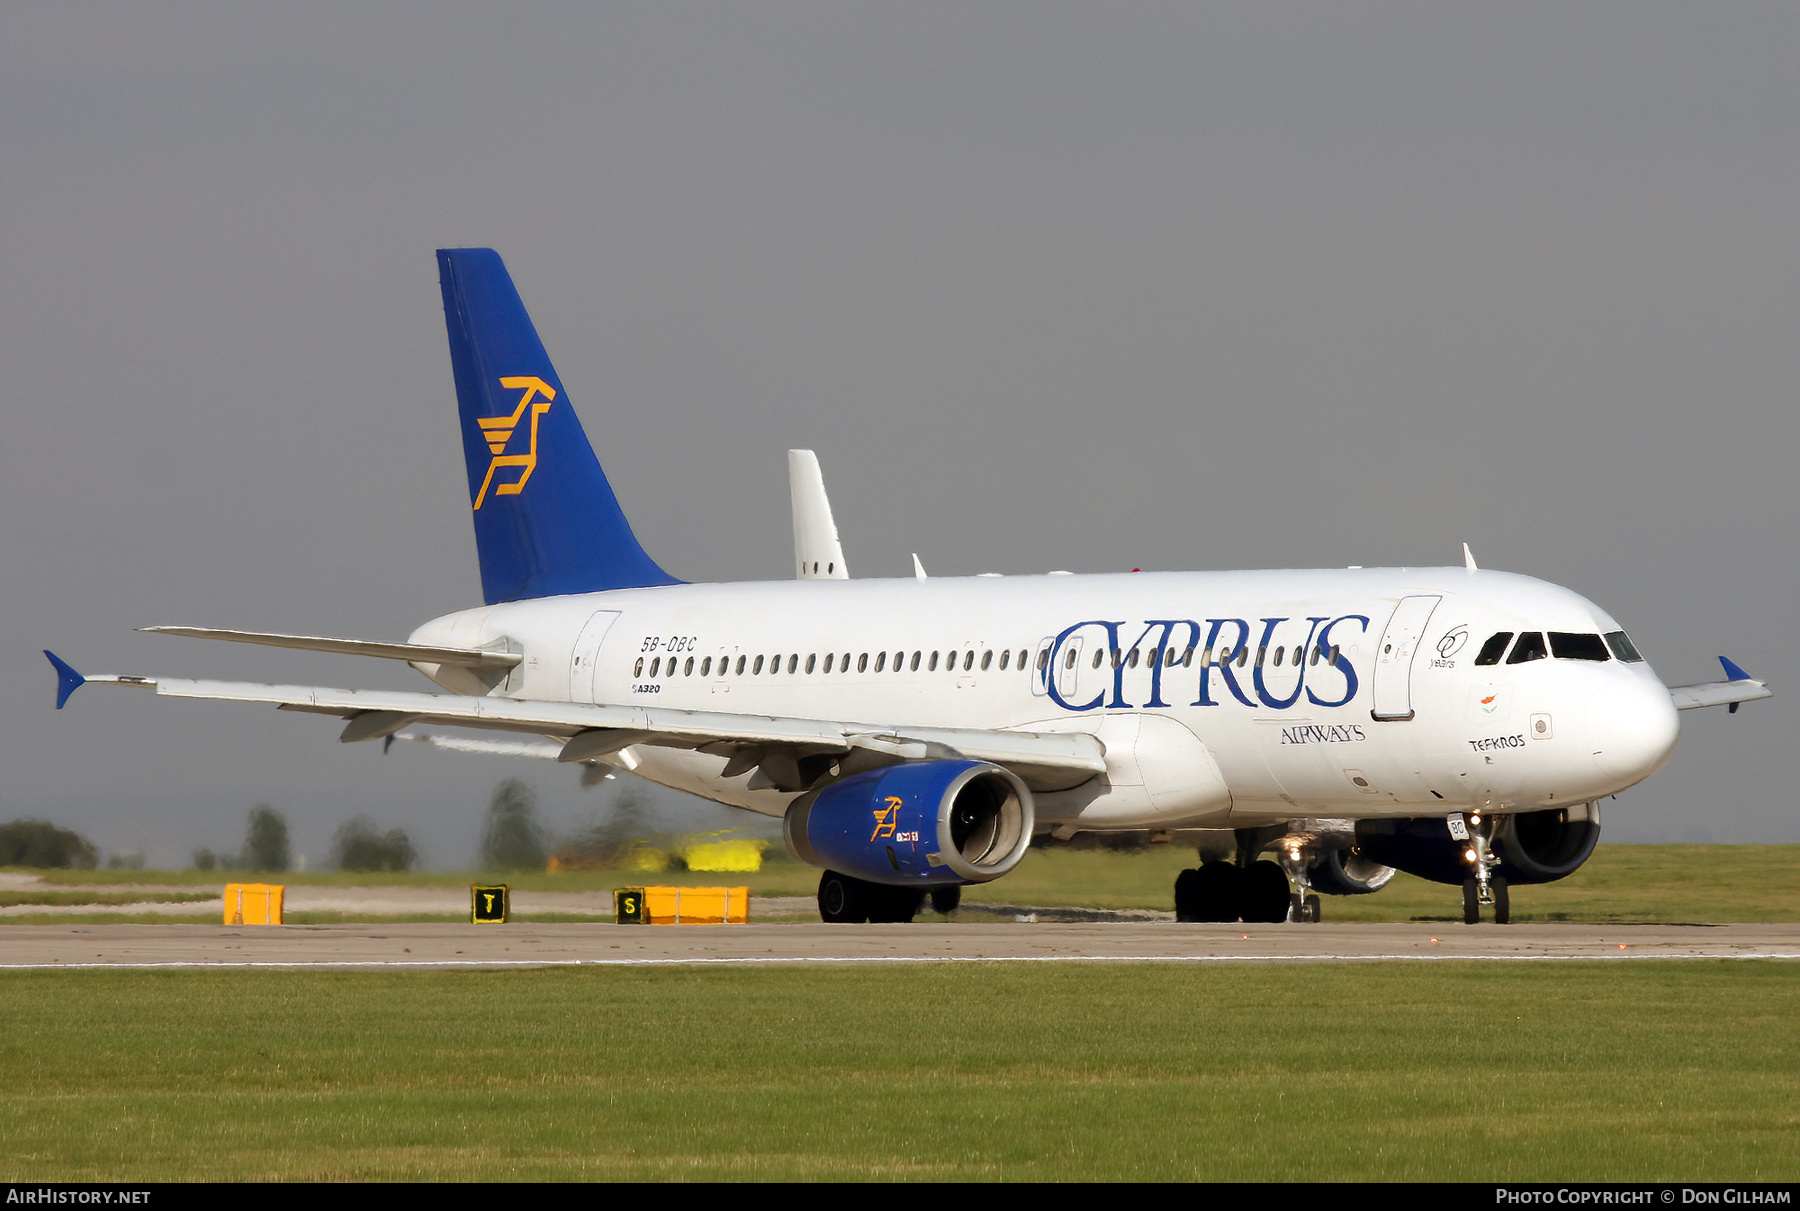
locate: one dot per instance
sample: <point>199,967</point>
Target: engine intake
<point>927,823</point>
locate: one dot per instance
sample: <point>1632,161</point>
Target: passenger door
<point>585,659</point>
<point>1394,657</point>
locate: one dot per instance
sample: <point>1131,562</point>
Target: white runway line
<point>878,960</point>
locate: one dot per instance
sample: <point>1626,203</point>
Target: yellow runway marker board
<point>253,903</point>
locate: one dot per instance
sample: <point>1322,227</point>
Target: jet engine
<point>1532,847</point>
<point>1347,872</point>
<point>924,824</point>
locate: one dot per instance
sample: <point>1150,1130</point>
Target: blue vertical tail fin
<point>546,519</point>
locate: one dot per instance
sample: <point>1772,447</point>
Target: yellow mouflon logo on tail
<point>499,430</point>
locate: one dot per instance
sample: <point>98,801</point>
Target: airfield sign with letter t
<point>488,905</point>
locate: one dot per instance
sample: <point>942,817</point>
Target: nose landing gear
<point>1483,886</point>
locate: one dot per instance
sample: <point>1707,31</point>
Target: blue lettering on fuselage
<point>1226,657</point>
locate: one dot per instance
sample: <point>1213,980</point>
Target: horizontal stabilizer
<point>1741,688</point>
<point>475,658</point>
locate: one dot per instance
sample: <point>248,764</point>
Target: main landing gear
<point>844,899</point>
<point>1244,890</point>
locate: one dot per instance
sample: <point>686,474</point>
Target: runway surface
<point>438,946</point>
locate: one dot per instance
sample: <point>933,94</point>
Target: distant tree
<point>266,844</point>
<point>205,859</point>
<point>512,839</point>
<point>125,860</point>
<point>625,822</point>
<point>30,842</point>
<point>358,846</point>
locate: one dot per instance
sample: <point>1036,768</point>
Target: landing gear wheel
<point>1313,906</point>
<point>946,899</point>
<point>1187,895</point>
<point>1217,892</point>
<point>894,905</point>
<point>1264,895</point>
<point>843,900</point>
<point>1471,902</point>
<point>1502,902</point>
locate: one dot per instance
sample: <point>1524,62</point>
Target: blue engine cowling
<point>929,823</point>
<point>1533,847</point>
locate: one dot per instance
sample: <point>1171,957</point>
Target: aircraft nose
<point>1632,727</point>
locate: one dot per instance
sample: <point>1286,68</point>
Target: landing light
<point>1468,855</point>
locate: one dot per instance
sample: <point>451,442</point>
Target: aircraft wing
<point>773,744</point>
<point>1740,688</point>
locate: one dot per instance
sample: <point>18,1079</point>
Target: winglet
<point>67,679</point>
<point>1732,671</point>
<point>918,568</point>
<point>1469,559</point>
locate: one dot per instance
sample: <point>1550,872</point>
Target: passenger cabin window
<point>794,662</point>
<point>1530,647</point>
<point>1494,648</point>
<point>689,670</point>
<point>968,660</point>
<point>1005,658</point>
<point>987,659</point>
<point>1566,645</point>
<point>1622,647</point>
<point>638,670</point>
<point>706,667</point>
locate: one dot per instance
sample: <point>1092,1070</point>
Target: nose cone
<point>1632,727</point>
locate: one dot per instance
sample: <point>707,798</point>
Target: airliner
<point>915,734</point>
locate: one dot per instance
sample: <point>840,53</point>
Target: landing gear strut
<point>1483,886</point>
<point>1303,904</point>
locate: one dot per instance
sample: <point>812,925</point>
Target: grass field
<point>1621,883</point>
<point>1678,1071</point>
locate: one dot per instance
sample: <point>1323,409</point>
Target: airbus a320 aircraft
<point>914,734</point>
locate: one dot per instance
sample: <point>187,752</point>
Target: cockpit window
<point>1530,647</point>
<point>1567,646</point>
<point>1622,647</point>
<point>1494,648</point>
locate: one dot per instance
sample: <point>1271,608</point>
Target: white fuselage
<point>1283,730</point>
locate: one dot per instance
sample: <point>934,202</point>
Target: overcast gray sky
<point>1046,286</point>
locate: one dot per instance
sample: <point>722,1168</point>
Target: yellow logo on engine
<point>886,818</point>
<point>498,432</point>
